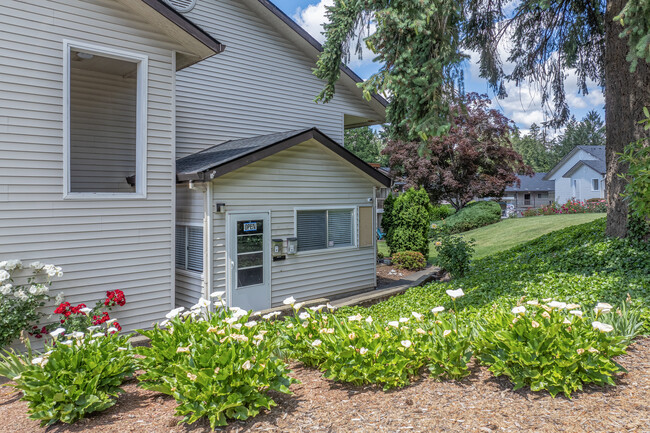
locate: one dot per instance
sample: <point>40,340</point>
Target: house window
<point>189,248</point>
<point>322,229</point>
<point>595,184</point>
<point>526,199</point>
<point>105,122</point>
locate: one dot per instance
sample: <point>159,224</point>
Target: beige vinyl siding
<point>306,175</point>
<point>262,83</point>
<point>189,210</point>
<point>101,244</point>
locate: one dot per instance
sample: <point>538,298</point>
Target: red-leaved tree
<point>474,160</point>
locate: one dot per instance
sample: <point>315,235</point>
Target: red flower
<point>114,297</point>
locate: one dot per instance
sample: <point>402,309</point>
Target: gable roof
<point>233,154</point>
<point>598,152</point>
<point>595,164</point>
<point>535,182</point>
<point>199,44</point>
<point>349,78</point>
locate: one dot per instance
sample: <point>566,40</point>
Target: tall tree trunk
<point>625,96</point>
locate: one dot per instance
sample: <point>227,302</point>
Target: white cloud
<point>312,18</point>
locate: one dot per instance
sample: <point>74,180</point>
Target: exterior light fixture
<point>220,207</point>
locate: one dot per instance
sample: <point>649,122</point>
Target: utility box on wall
<point>276,247</point>
<point>292,245</point>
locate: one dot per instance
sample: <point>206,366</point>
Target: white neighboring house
<point>87,177</point>
<point>261,165</point>
<point>580,174</point>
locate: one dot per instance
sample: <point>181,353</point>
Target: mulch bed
<point>387,275</point>
<point>479,403</point>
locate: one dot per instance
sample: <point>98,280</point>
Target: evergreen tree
<point>366,144</point>
<point>419,44</point>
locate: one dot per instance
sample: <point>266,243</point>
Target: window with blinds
<point>321,229</point>
<point>189,248</point>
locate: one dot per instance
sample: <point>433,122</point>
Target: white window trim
<point>329,250</point>
<point>592,184</point>
<point>183,271</point>
<point>141,121</point>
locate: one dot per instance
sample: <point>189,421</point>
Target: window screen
<point>320,229</point>
<point>189,248</point>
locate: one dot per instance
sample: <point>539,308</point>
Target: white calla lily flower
<point>454,294</point>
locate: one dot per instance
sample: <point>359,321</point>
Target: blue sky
<point>523,104</point>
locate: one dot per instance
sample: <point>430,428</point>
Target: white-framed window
<point>320,229</point>
<point>189,247</point>
<point>104,122</point>
<point>595,184</point>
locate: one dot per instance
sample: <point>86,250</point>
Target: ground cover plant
<point>577,264</point>
<point>216,365</point>
<point>361,350</point>
<point>76,376</point>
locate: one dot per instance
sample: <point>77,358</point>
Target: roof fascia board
<point>199,44</point>
<point>377,102</point>
<point>561,163</point>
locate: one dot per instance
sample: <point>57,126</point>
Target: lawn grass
<point>512,232</point>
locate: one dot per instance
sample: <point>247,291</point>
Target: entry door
<point>249,239</point>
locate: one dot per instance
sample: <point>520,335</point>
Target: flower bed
<point>572,206</point>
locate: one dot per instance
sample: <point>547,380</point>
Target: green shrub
<point>442,211</point>
<point>360,350</point>
<point>550,347</point>
<point>216,365</point>
<point>23,290</point>
<point>472,216</point>
<point>76,377</point>
<point>408,222</point>
<point>410,260</point>
<point>454,254</point>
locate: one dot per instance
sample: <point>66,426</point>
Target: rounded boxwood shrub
<point>472,216</point>
<point>410,260</point>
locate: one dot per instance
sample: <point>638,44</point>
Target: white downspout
<point>208,265</point>
<point>374,231</point>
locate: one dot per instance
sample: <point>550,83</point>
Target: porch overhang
<point>231,155</point>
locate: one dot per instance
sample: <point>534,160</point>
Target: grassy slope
<point>576,264</point>
<point>514,231</point>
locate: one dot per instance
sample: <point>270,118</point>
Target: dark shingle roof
<point>597,152</point>
<point>233,154</point>
<point>534,183</point>
<point>229,151</point>
<point>597,165</point>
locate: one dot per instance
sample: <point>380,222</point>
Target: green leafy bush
<point>454,254</point>
<point>550,347</point>
<point>472,216</point>
<point>216,365</point>
<point>23,290</point>
<point>441,212</point>
<point>360,350</point>
<point>577,264</point>
<point>76,377</point>
<point>407,226</point>
<point>411,260</point>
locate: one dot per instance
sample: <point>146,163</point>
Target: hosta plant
<point>217,366</point>
<point>551,346</point>
<point>361,350</point>
<point>76,377</point>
